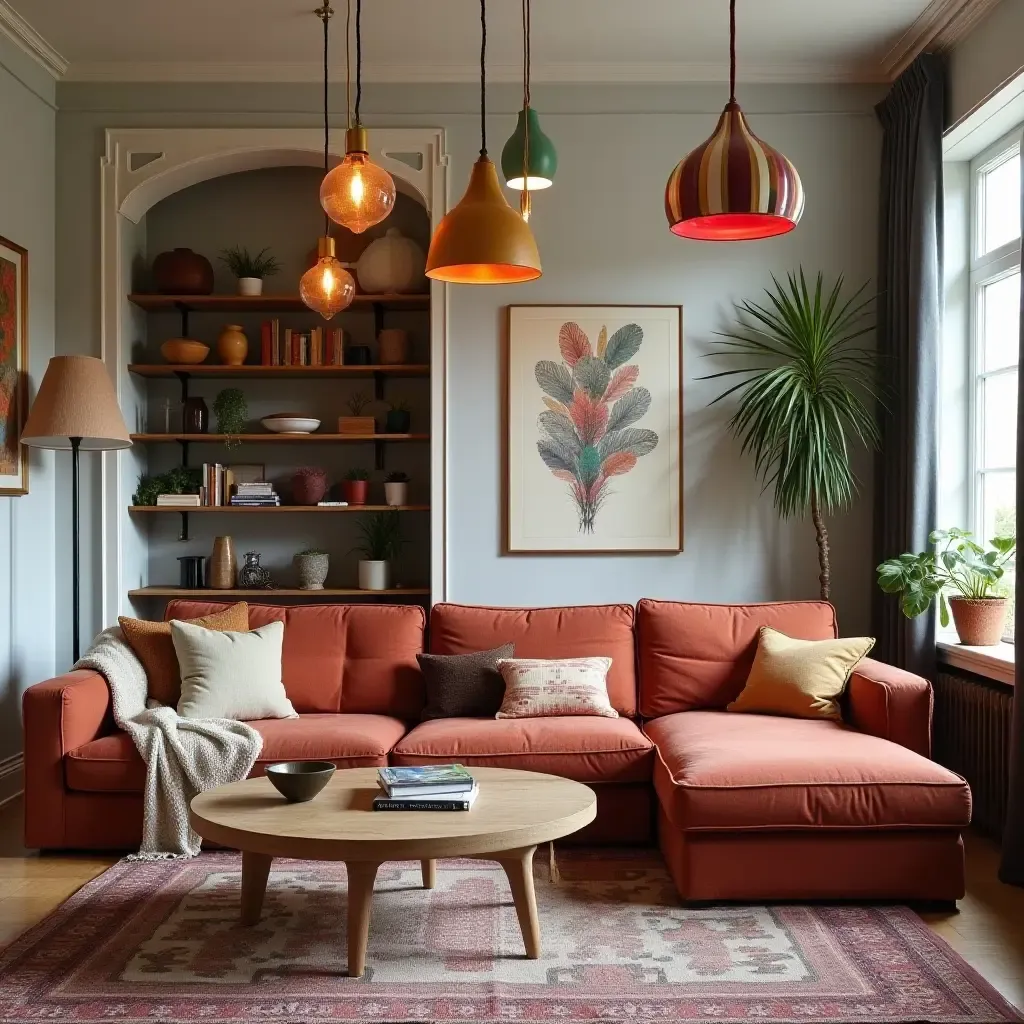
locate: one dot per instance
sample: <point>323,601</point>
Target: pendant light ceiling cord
<point>732,51</point>
<point>359,58</point>
<point>348,63</point>
<point>325,13</point>
<point>483,77</point>
<point>527,55</point>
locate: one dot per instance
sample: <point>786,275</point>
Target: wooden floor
<point>988,931</point>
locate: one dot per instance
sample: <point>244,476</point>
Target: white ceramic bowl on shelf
<point>290,423</point>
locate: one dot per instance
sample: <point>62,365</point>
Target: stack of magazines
<point>255,495</point>
<point>435,787</point>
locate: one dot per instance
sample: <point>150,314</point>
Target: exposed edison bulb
<point>357,193</point>
<point>327,286</point>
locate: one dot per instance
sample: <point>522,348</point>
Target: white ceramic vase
<point>396,493</point>
<point>391,265</point>
<point>373,575</point>
<point>250,286</point>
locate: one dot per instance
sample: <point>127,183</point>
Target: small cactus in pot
<point>312,566</point>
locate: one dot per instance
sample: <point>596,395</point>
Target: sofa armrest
<point>893,704</point>
<point>60,715</point>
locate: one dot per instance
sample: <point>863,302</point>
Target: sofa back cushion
<point>358,659</point>
<point>695,656</point>
<point>578,632</point>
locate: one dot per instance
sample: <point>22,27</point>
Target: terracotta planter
<point>182,272</point>
<point>355,491</point>
<point>392,346</point>
<point>232,345</point>
<point>980,622</point>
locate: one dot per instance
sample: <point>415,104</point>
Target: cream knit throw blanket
<point>183,756</point>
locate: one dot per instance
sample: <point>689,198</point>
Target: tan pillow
<point>152,644</point>
<point>800,678</point>
<point>543,688</point>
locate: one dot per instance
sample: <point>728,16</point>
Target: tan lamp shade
<point>76,399</point>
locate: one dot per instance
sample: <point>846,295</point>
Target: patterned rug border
<point>912,930</point>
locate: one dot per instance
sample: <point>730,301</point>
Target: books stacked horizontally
<point>435,787</point>
<point>178,500</point>
<point>255,495</point>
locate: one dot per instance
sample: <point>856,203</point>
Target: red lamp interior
<point>733,227</point>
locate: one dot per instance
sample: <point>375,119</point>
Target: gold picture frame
<point>13,367</point>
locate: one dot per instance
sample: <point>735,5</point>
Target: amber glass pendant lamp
<point>483,240</point>
<point>733,187</point>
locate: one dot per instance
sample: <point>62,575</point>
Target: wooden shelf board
<point>269,438</point>
<point>267,303</point>
<point>275,509</point>
<point>253,371</point>
<point>279,592</point>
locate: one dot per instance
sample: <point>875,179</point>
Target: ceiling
<point>438,40</point>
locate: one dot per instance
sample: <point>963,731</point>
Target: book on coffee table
<point>423,780</point>
<point>427,802</point>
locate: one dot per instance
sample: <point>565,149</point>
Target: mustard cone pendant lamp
<point>483,240</point>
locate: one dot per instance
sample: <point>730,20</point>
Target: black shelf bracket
<point>184,310</point>
<point>183,532</point>
<point>378,386</point>
<point>184,451</point>
<point>378,318</point>
<point>378,454</point>
<point>183,379</point>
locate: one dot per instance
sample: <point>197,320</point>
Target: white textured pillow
<point>231,675</point>
<point>547,688</point>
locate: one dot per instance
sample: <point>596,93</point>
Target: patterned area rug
<point>161,941</point>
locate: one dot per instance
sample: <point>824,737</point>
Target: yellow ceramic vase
<point>232,345</point>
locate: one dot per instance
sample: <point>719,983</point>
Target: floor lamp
<point>76,410</point>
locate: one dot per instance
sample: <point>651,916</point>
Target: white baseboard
<point>12,778</point>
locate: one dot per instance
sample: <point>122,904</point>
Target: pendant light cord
<point>527,54</point>
<point>348,63</point>
<point>483,77</point>
<point>524,195</point>
<point>732,51</point>
<point>324,14</point>
<point>359,58</point>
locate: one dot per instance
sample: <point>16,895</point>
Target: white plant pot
<point>374,575</point>
<point>396,493</point>
<point>250,286</point>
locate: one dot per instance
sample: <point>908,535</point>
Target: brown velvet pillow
<point>463,685</point>
<point>152,644</point>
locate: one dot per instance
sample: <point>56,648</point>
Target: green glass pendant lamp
<point>529,160</point>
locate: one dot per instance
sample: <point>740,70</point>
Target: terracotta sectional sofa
<point>744,807</point>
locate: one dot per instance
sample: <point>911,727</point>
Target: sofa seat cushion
<point>721,771</point>
<point>111,764</point>
<point>584,749</point>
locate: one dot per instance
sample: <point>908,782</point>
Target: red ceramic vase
<point>309,486</point>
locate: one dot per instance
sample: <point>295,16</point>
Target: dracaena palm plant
<point>808,389</point>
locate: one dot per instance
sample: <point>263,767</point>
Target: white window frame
<point>985,269</point>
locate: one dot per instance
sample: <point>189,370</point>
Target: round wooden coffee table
<point>514,812</point>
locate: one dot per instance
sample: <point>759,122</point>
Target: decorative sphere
<point>391,265</point>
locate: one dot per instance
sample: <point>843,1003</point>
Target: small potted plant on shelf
<point>381,541</point>
<point>231,410</point>
<point>355,485</point>
<point>357,422</point>
<point>963,575</point>
<point>179,480</point>
<point>396,487</point>
<point>311,566</point>
<point>250,269</point>
<point>399,419</point>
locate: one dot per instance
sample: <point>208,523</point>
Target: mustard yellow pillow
<point>152,644</point>
<point>800,678</point>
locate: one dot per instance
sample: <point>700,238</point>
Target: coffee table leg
<point>518,865</point>
<point>360,892</point>
<point>255,869</point>
<point>429,873</point>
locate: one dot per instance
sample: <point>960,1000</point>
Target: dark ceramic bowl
<point>299,781</point>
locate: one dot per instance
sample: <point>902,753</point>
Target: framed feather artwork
<point>593,419</point>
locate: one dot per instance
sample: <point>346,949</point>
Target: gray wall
<point>27,572</point>
<point>603,239</point>
<point>987,58</point>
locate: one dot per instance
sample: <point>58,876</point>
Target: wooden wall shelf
<point>255,372</point>
<point>266,303</point>
<point>165,592</point>
<point>235,510</point>
<point>269,438</point>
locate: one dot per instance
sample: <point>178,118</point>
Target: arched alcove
<point>144,168</point>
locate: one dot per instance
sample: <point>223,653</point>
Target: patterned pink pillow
<point>544,688</point>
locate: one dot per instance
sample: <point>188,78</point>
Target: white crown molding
<point>20,32</point>
<point>563,73</point>
<point>938,27</point>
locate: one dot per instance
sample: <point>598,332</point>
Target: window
<point>995,312</point>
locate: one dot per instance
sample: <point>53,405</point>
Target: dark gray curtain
<point>1012,867</point>
<point>909,332</point>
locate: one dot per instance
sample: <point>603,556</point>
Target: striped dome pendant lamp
<point>733,187</point>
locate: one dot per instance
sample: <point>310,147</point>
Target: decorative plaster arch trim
<point>142,166</point>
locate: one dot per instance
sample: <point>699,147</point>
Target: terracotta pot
<point>309,486</point>
<point>355,491</point>
<point>392,346</point>
<point>182,272</point>
<point>223,565</point>
<point>979,622</point>
<point>232,345</point>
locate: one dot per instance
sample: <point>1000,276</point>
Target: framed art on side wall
<point>13,367</point>
<point>593,419</point>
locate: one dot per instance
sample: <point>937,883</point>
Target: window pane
<point>1000,416</point>
<point>999,512</point>
<point>1002,205</point>
<point>1002,322</point>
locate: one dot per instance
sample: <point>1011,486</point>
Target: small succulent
<point>358,402</point>
<point>242,263</point>
<point>312,551</point>
<point>357,474</point>
<point>397,477</point>
<point>399,406</point>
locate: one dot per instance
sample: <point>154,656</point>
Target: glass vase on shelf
<point>252,575</point>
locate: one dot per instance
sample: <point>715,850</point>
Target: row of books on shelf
<point>436,787</point>
<point>219,487</point>
<point>287,347</point>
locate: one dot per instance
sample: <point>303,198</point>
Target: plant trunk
<point>825,577</point>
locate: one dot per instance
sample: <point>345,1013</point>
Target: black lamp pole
<point>75,568</point>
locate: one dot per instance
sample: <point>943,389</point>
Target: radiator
<point>972,738</point>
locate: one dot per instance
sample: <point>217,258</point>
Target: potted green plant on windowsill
<point>963,575</point>
<point>381,534</point>
<point>249,268</point>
